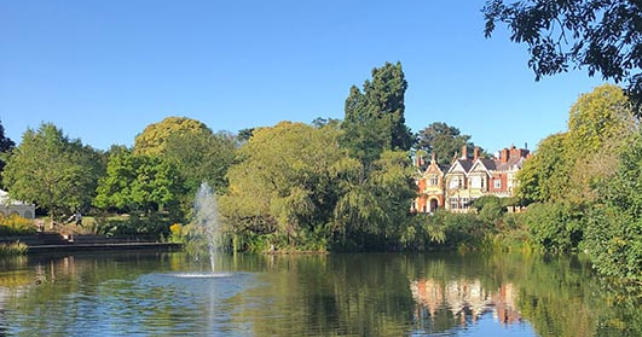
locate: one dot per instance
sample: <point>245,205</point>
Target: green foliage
<point>614,229</point>
<point>443,230</point>
<point>598,116</point>
<point>374,119</point>
<point>16,225</point>
<point>544,177</point>
<point>555,227</point>
<point>567,171</point>
<point>153,140</point>
<point>603,35</point>
<point>569,166</point>
<point>139,183</point>
<point>201,157</point>
<point>53,171</point>
<point>134,225</point>
<point>376,207</point>
<point>320,122</point>
<point>490,208</point>
<point>283,184</point>
<point>6,145</point>
<point>244,135</point>
<point>444,140</point>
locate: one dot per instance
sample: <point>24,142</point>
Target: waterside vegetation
<point>347,185</point>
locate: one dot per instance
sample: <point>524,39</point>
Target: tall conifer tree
<point>374,119</point>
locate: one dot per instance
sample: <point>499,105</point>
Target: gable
<point>434,169</point>
<point>479,167</point>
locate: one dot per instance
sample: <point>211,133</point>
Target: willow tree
<point>283,189</point>
<point>374,214</point>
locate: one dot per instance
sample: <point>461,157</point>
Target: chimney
<point>434,158</point>
<point>504,157</point>
<point>476,153</point>
<point>464,152</point>
<point>418,161</point>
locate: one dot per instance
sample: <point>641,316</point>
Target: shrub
<point>554,227</point>
<point>16,225</point>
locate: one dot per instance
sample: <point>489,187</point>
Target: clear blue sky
<point>103,70</point>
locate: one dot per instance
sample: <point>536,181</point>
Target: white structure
<point>9,206</point>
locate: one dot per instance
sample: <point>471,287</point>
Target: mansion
<point>454,187</point>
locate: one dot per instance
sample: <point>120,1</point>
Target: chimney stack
<point>504,157</point>
<point>476,153</point>
<point>464,152</point>
<point>434,158</point>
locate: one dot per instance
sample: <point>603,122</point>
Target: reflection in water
<point>466,300</point>
<point>142,293</point>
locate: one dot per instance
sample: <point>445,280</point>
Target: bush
<point>16,225</point>
<point>445,230</point>
<point>614,229</point>
<point>554,227</point>
<point>614,243</point>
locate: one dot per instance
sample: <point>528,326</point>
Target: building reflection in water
<point>464,300</point>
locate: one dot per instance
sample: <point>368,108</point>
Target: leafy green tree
<point>614,231</point>
<point>444,140</point>
<point>201,157</point>
<point>555,226</point>
<point>374,213</point>
<point>602,35</point>
<point>153,140</point>
<point>6,145</point>
<point>282,189</point>
<point>569,166</point>
<point>53,171</point>
<point>245,134</point>
<point>139,183</point>
<point>544,177</point>
<point>320,122</point>
<point>374,119</point>
<point>601,124</point>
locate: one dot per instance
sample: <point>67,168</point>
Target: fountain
<point>206,219</point>
<point>203,231</point>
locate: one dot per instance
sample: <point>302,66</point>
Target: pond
<point>171,294</point>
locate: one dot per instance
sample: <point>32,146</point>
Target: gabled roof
<point>465,165</point>
<point>512,162</point>
<point>487,164</point>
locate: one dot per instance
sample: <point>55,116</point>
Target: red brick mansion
<point>454,187</point>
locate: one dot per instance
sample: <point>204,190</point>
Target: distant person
<point>78,218</point>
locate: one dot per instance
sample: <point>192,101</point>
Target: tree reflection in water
<point>342,294</point>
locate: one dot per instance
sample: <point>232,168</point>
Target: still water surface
<point>170,294</point>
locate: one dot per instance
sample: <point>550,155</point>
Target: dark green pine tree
<point>374,119</point>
